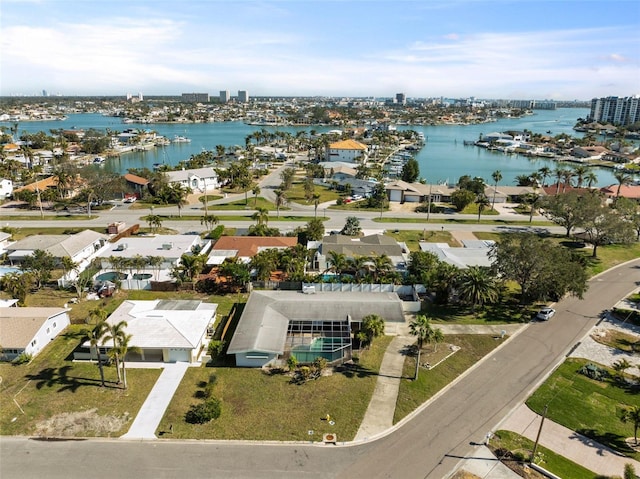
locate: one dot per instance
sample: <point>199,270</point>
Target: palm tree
<point>208,221</point>
<point>68,265</point>
<point>256,192</point>
<point>338,262</point>
<point>567,175</point>
<point>382,265</point>
<point>155,262</point>
<point>115,333</point>
<point>497,176</point>
<point>623,179</point>
<point>192,264</point>
<point>591,178</point>
<point>154,222</point>
<point>580,173</point>
<point>422,329</point>
<point>123,348</point>
<point>477,286</point>
<point>316,202</point>
<point>558,172</point>
<point>545,172</point>
<point>531,199</point>
<point>632,415</point>
<point>482,201</point>
<point>281,199</point>
<point>95,337</point>
<point>261,216</point>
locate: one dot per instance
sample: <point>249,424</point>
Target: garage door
<point>153,355</point>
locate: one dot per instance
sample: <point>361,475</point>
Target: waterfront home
<point>589,152</point>
<point>161,330</point>
<point>402,192</point>
<point>347,151</point>
<point>277,324</point>
<point>626,191</point>
<point>29,330</point>
<point>137,183</point>
<point>197,179</point>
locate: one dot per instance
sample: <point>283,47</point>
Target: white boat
<point>98,160</point>
<point>181,139</point>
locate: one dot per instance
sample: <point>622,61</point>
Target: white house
<point>6,188</point>
<point>473,253</point>
<point>29,330</point>
<point>163,330</point>
<point>346,150</point>
<point>198,179</point>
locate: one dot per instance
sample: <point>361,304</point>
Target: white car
<point>545,314</point>
<point>129,199</point>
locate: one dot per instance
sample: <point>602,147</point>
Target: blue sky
<point>563,49</point>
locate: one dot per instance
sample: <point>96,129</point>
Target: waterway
<point>444,157</point>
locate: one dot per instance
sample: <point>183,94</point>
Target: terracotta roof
<point>50,182</point>
<point>347,145</point>
<point>626,191</point>
<point>248,246</point>
<point>138,180</point>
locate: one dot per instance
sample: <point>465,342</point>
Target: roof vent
<point>167,245</point>
<point>122,247</point>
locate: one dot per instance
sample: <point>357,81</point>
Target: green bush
<point>204,412</point>
<point>216,232</point>
<point>215,348</point>
<point>22,359</point>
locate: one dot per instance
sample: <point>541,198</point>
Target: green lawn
<point>457,220</point>
<point>414,393</point>
<point>413,238</point>
<point>521,446</point>
<point>296,194</point>
<point>256,406</point>
<point>589,407</point>
<point>52,385</point>
<point>501,313</point>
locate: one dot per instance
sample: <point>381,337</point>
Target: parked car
<point>130,199</point>
<point>545,314</point>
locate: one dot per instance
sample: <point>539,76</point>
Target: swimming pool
<point>331,349</point>
<point>111,276</point>
<point>8,269</point>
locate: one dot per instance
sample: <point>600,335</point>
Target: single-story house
<point>626,191</point>
<point>81,247</point>
<point>136,182</point>
<point>511,194</point>
<point>277,324</point>
<point>168,248</point>
<point>29,330</point>
<point>339,172</point>
<point>164,330</point>
<point>473,253</point>
<point>352,247</point>
<point>403,192</point>
<point>591,152</point>
<point>5,241</point>
<point>246,247</point>
<point>41,185</point>
<point>198,179</point>
<point>346,150</point>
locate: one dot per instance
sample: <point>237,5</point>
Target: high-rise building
<point>401,98</point>
<point>616,110</point>
<point>224,96</point>
<point>243,96</point>
<point>195,97</point>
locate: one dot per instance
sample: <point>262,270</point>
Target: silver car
<point>545,314</point>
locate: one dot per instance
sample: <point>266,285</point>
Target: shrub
<point>320,363</point>
<point>292,363</point>
<point>215,348</point>
<point>22,359</point>
<point>204,412</point>
<point>208,389</point>
<point>216,232</point>
<point>594,372</point>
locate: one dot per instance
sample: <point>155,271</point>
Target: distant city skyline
<point>560,50</point>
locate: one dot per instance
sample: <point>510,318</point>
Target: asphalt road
<point>429,445</point>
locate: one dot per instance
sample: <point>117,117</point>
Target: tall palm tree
<point>580,172</point>
<point>155,262</point>
<point>623,179</point>
<point>208,221</point>
<point>632,415</point>
<point>256,192</point>
<point>95,337</point>
<point>422,329</point>
<point>115,333</point>
<point>591,178</point>
<point>545,172</point>
<point>497,176</point>
<point>154,222</point>
<point>382,265</point>
<point>281,199</point>
<point>338,262</point>
<point>558,173</point>
<point>125,347</point>
<point>567,175</point>
<point>482,201</point>
<point>476,285</point>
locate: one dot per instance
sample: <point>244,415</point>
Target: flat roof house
<point>277,324</point>
<point>164,330</point>
<point>29,330</point>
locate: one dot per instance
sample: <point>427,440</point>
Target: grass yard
<point>256,406</point>
<point>52,387</point>
<point>500,313</point>
<point>456,220</point>
<point>296,194</point>
<point>413,238</point>
<point>413,393</point>
<point>520,446</point>
<point>589,407</point>
<point>618,340</point>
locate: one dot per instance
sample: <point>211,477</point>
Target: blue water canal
<point>443,158</point>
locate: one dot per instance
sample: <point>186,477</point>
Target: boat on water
<point>99,160</point>
<point>181,139</point>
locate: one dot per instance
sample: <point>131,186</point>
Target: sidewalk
<point>580,449</point>
<point>148,418</point>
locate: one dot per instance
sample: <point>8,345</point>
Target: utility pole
<point>535,446</point>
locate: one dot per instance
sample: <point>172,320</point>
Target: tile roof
<point>136,180</point>
<point>347,145</point>
<point>50,182</point>
<point>248,246</point>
